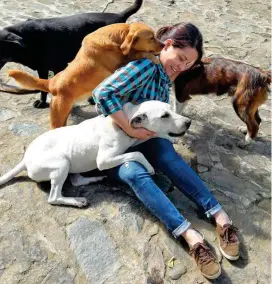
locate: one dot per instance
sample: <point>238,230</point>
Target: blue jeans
<point>162,156</point>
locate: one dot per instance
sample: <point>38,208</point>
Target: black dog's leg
<point>42,102</point>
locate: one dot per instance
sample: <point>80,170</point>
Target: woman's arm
<point>122,83</point>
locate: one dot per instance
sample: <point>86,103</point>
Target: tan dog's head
<point>141,38</point>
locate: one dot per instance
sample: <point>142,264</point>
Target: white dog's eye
<point>165,115</point>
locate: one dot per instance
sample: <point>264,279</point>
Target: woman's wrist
<point>121,119</point>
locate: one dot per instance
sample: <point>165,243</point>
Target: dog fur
<point>247,85</point>
<point>94,143</point>
<point>101,53</point>
<point>50,44</point>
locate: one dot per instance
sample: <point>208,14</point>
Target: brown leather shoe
<point>206,261</point>
<point>228,241</point>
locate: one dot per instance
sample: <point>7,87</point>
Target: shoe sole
<point>229,257</point>
<point>213,276</point>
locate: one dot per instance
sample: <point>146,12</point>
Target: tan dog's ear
<point>127,43</point>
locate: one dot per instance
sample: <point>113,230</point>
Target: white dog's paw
<point>81,201</point>
<point>72,201</point>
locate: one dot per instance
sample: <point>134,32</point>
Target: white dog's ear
<point>137,119</point>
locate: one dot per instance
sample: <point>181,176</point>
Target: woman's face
<point>176,60</point>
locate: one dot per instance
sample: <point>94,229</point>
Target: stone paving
<point>115,239</point>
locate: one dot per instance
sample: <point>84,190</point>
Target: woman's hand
<point>140,133</point>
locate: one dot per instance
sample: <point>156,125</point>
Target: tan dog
<point>101,53</point>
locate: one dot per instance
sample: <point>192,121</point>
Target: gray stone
<point>35,253</point>
<point>202,169</point>
<point>129,220</point>
<point>215,156</point>
<point>24,128</point>
<point>58,275</point>
<point>177,271</point>
<point>219,166</point>
<point>33,245</point>
<point>154,263</point>
<point>224,179</point>
<point>94,250</point>
<point>4,206</point>
<point>265,205</point>
<point>6,114</point>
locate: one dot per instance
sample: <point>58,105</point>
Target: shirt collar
<point>163,73</point>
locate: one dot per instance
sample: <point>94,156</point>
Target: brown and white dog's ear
<point>127,43</point>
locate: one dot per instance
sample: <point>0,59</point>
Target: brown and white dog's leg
<point>179,107</point>
<point>252,130</point>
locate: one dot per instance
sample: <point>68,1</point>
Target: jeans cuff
<point>181,229</point>
<point>214,210</point>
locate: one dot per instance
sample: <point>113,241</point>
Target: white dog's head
<point>158,117</point>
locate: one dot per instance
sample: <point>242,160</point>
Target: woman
<point>143,80</point>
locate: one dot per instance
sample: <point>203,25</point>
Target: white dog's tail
<point>12,173</point>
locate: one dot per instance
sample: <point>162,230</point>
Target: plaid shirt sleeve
<point>121,83</point>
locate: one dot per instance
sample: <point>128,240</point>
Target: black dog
<point>50,44</point>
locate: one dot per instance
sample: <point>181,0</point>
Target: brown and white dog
<point>101,53</point>
<point>248,86</point>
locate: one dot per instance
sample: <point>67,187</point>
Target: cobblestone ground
<point>115,240</point>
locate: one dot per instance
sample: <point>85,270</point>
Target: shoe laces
<point>202,253</point>
<point>229,233</point>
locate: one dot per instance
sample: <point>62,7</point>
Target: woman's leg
<point>136,176</point>
<point>162,155</point>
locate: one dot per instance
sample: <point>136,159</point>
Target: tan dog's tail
<point>28,81</point>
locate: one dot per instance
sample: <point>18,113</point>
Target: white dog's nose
<point>188,123</point>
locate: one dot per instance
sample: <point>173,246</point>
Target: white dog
<point>94,143</point>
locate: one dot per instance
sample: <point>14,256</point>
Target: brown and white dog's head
<point>141,38</point>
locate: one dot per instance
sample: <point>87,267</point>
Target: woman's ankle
<point>222,218</point>
<point>192,237</point>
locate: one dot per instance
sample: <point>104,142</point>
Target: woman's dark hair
<point>183,35</point>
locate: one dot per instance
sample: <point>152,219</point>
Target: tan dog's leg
<point>60,109</point>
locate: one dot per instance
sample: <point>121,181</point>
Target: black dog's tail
<point>131,10</point>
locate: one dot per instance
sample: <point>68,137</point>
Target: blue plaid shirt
<point>138,81</point>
